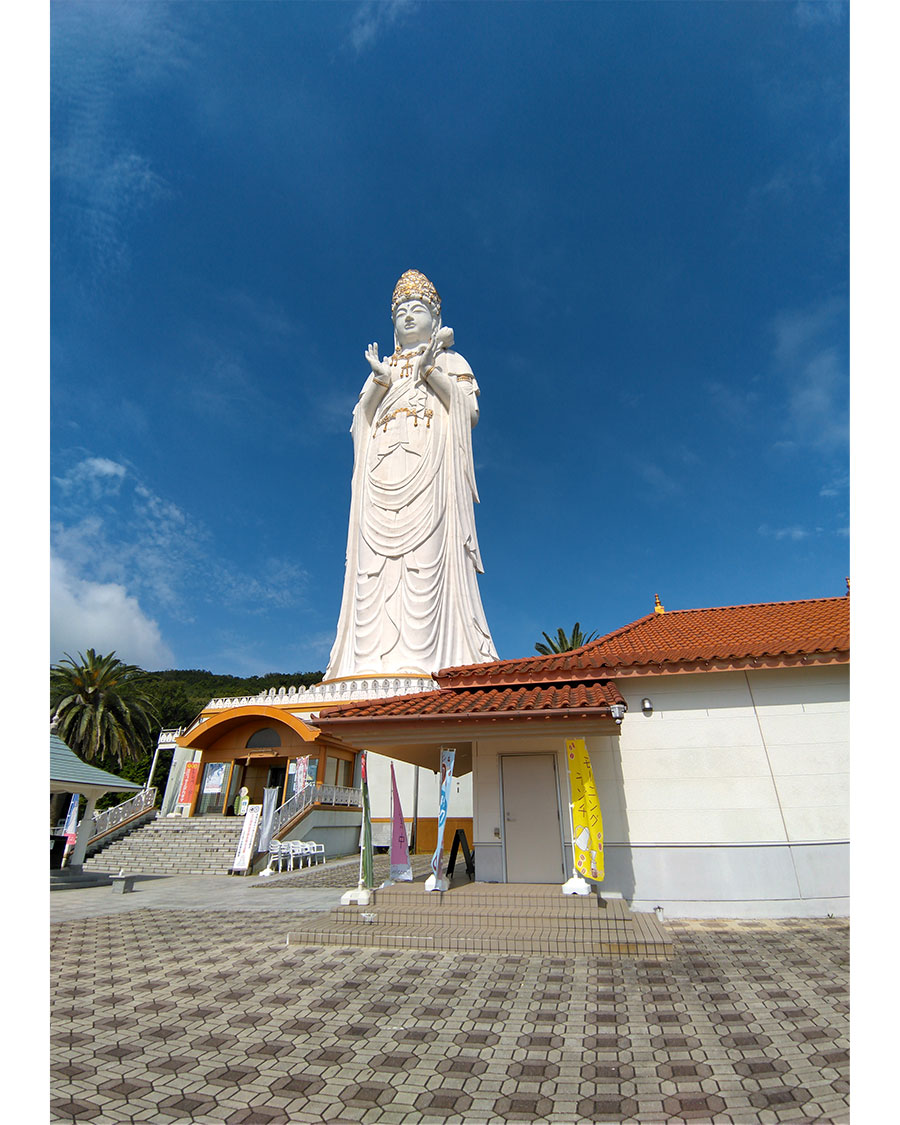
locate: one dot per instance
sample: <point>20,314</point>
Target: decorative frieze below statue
<point>411,603</point>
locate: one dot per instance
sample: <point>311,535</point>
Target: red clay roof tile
<point>552,699</point>
<point>679,637</point>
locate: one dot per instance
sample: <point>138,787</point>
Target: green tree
<point>563,642</point>
<point>100,707</point>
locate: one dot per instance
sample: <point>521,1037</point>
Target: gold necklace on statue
<point>408,357</point>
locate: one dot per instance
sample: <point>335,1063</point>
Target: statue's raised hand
<point>379,369</point>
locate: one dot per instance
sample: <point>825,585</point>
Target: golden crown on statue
<point>413,286</point>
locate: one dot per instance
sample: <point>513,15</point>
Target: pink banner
<point>401,868</point>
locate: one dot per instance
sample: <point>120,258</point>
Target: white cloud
<point>816,383</point>
<point>129,547</point>
<point>100,50</point>
<point>372,19</point>
<point>808,13</point>
<point>795,533</point>
<point>836,487</point>
<point>96,475</point>
<point>103,616</point>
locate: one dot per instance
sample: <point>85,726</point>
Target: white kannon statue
<point>411,603</point>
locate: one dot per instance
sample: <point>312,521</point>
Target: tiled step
<point>495,918</point>
<point>197,846</point>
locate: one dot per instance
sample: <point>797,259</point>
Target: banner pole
<point>362,895</point>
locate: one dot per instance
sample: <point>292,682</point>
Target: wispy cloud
<point>373,19</point>
<point>810,13</point>
<point>809,360</point>
<point>838,486</point>
<point>103,180</point>
<point>736,404</point>
<point>661,482</point>
<point>98,476</point>
<point>153,551</point>
<point>795,533</point>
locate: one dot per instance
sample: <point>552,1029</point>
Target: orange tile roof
<point>684,640</point>
<point>551,701</point>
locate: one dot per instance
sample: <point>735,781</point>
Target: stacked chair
<point>295,853</point>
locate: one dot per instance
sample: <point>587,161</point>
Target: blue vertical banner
<point>71,826</point>
<point>437,881</point>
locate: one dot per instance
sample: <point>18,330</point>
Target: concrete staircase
<point>202,845</point>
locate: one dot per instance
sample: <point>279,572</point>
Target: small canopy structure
<point>69,774</point>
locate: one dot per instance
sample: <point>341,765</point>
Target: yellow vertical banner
<point>587,821</point>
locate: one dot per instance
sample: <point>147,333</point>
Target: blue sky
<point>637,216</point>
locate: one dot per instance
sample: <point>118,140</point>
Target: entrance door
<point>531,819</point>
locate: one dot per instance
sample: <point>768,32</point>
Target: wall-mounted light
<point>647,706</point>
<point>617,710</point>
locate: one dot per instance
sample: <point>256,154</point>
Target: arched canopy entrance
<point>257,747</point>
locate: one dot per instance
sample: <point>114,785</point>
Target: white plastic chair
<point>277,854</point>
<point>317,852</point>
<point>298,852</point>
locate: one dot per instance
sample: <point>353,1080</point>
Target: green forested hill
<point>179,696</point>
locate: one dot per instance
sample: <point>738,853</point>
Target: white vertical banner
<point>436,881</point>
<point>246,844</point>
<point>270,797</point>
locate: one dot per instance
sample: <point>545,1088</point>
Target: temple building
<point>254,743</point>
<point>718,741</point>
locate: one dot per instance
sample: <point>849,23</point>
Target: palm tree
<point>563,643</point>
<point>99,707</point>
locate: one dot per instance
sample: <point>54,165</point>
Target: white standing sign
<point>245,849</point>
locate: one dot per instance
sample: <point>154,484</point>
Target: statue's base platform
<point>491,918</point>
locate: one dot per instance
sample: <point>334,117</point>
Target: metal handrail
<point>109,819</point>
<point>314,795</point>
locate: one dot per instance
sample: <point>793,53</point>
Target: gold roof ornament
<point>415,286</point>
<point>658,607</point>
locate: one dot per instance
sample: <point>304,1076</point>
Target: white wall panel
<point>709,793</point>
<point>733,826</point>
<point>695,762</point>
<point>825,823</point>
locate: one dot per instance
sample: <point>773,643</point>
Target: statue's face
<point>413,324</point>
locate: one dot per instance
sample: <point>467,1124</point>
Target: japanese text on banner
<point>587,821</point>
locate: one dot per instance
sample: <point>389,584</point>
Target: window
<point>267,736</point>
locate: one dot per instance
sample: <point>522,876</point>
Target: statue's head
<point>415,309</point>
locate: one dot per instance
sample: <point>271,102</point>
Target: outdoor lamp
<point>647,706</point>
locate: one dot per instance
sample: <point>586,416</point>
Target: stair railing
<point>112,818</point>
<point>314,795</point>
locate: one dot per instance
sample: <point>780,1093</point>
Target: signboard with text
<point>188,783</point>
<point>246,844</point>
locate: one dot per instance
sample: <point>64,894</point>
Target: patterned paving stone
<point>746,1024</point>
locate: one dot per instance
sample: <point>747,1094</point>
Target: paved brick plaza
<point>207,1016</point>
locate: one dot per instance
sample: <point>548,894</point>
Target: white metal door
<point>531,826</point>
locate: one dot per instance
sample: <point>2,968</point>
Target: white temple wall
<point>379,770</point>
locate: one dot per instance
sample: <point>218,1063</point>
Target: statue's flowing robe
<point>411,602</point>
